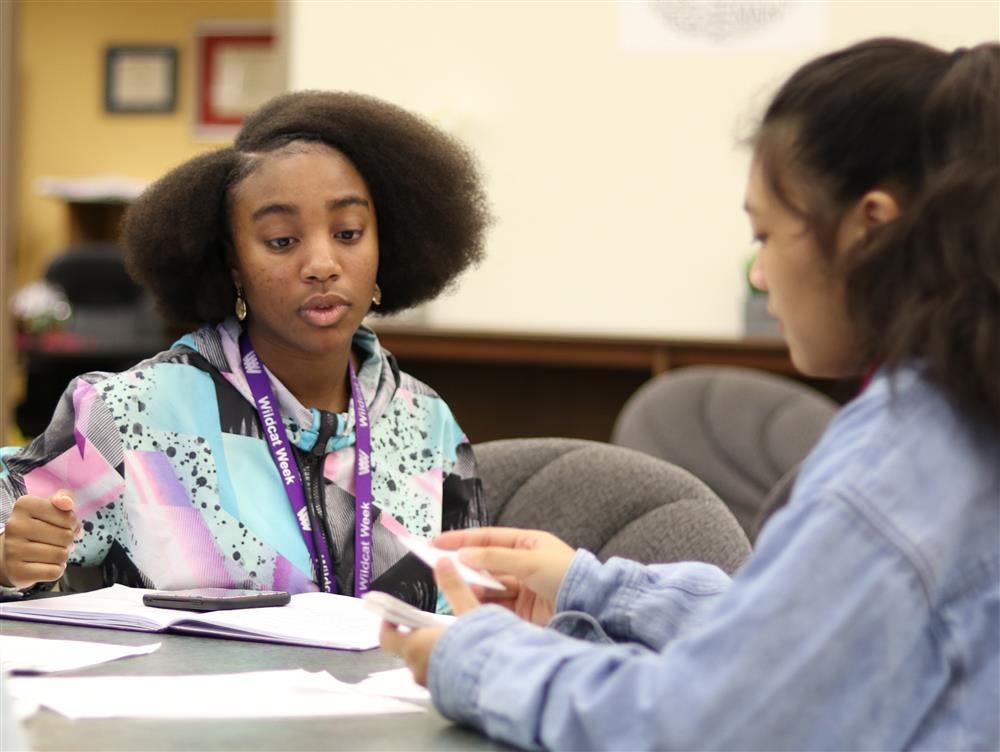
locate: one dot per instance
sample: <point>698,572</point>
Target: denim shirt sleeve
<point>650,605</point>
<point>774,668</point>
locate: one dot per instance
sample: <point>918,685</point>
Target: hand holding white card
<point>427,553</point>
<point>399,612</point>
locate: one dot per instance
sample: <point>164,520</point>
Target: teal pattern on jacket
<point>176,488</point>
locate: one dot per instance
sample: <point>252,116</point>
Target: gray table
<point>199,655</point>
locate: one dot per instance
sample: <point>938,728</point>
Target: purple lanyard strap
<point>284,460</point>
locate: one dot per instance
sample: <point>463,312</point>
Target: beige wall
<point>61,124</point>
<point>615,173</point>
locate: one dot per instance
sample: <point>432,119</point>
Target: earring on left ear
<point>241,304</point>
<point>377,295</point>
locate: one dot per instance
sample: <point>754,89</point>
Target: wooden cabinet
<point>513,385</point>
<point>95,221</point>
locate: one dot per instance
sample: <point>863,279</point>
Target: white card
<point>429,554</point>
<point>402,613</point>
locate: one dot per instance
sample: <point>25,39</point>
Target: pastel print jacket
<point>176,488</point>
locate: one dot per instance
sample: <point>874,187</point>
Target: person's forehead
<point>284,171</point>
<point>756,188</point>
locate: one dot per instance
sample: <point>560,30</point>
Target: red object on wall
<point>210,47</point>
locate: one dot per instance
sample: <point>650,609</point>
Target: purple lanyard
<point>277,442</point>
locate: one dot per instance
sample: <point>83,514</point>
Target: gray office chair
<point>739,430</point>
<point>609,500</point>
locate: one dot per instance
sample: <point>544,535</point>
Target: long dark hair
<point>923,125</point>
<point>928,288</point>
<point>848,122</point>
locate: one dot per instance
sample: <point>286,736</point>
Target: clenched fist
<point>38,539</point>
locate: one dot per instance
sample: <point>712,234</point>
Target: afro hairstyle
<point>432,210</point>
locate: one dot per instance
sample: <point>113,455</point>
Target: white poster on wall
<point>721,25</point>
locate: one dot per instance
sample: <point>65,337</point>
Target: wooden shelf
<point>651,356</point>
<point>507,385</point>
<point>95,221</point>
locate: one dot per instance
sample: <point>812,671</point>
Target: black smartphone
<point>214,599</point>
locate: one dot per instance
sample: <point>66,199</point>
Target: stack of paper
<point>259,694</point>
<point>39,656</point>
<point>396,682</point>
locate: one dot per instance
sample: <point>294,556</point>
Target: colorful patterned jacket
<point>175,486</point>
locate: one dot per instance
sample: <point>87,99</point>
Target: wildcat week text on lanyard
<point>284,460</point>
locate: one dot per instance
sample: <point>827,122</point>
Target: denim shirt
<point>868,617</point>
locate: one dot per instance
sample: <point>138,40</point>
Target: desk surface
<point>198,655</point>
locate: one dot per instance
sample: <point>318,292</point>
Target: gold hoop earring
<point>241,304</point>
<point>377,295</point>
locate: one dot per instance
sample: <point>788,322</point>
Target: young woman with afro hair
<point>278,445</point>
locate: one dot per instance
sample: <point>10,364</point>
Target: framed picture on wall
<point>140,79</point>
<point>236,71</point>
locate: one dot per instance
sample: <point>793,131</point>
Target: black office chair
<point>94,275</point>
<point>113,318</point>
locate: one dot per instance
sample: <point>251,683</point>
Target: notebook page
<point>116,606</point>
<point>313,619</point>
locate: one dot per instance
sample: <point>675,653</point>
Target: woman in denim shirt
<point>869,615</point>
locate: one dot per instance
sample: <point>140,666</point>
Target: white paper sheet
<point>259,694</point>
<point>429,554</point>
<point>38,655</point>
<point>392,609</point>
<point>396,682</point>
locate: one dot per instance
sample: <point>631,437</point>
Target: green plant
<point>751,287</point>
